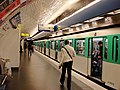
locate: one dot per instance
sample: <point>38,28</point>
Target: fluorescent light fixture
<point>76,25</point>
<point>94,19</point>
<point>115,12</point>
<point>87,6</point>
<point>66,28</point>
<point>72,1</point>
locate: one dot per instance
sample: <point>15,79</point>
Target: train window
<point>48,45</point>
<point>52,44</point>
<point>80,47</point>
<point>44,44</point>
<point>89,46</point>
<point>115,49</point>
<point>40,44</point>
<point>56,45</point>
<point>61,44</point>
<point>105,48</point>
<point>70,42</point>
<point>97,47</point>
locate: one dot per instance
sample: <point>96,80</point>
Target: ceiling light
<point>94,19</point>
<point>87,6</point>
<point>66,28</point>
<point>115,12</point>
<point>76,25</point>
<point>72,1</point>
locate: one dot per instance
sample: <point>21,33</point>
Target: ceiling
<point>39,12</point>
<point>43,12</point>
<point>92,10</point>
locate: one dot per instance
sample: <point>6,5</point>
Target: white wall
<point>10,44</point>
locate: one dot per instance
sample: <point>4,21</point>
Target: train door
<point>44,47</point>
<point>52,45</point>
<point>115,45</point>
<point>48,48</point>
<point>61,45</point>
<point>96,57</point>
<point>56,50</point>
<point>41,47</point>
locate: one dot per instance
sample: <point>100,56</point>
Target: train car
<point>52,49</point>
<point>47,48</point>
<point>104,67</point>
<point>35,45</point>
<point>87,62</point>
<point>42,47</point>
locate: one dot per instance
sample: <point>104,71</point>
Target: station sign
<point>9,8</point>
<point>56,28</point>
<point>48,27</point>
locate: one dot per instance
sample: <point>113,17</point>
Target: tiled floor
<point>36,74</point>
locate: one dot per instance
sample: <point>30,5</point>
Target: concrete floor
<point>36,74</point>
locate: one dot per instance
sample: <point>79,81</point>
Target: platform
<point>38,73</point>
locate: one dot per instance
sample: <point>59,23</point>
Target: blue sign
<point>55,28</point>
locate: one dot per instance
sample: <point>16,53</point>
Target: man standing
<point>100,52</point>
<point>30,48</point>
<point>25,46</point>
<point>67,54</point>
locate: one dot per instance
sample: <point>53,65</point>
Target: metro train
<point>104,68</point>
